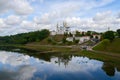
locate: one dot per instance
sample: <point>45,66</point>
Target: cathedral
<point>62,29</point>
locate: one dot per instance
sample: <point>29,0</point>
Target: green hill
<point>24,38</point>
<point>108,46</point>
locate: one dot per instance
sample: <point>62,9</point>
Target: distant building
<point>81,39</point>
<point>61,29</point>
<point>97,36</point>
<point>53,32</point>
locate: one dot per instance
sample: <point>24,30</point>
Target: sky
<point>20,16</point>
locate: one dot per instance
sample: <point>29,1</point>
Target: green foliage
<point>24,38</point>
<point>109,35</point>
<point>77,34</point>
<point>76,41</point>
<point>88,33</point>
<point>70,34</point>
<point>118,31</point>
<point>64,40</point>
<point>83,34</point>
<point>69,42</point>
<point>65,34</point>
<point>49,40</point>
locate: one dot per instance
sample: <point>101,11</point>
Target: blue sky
<point>18,16</point>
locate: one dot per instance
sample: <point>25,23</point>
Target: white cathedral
<point>61,29</point>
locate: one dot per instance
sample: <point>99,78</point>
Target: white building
<point>53,32</point>
<point>81,39</point>
<point>98,36</point>
<point>61,29</point>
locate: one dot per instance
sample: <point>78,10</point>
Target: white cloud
<point>53,13</point>
<point>13,20</point>
<point>59,11</point>
<point>100,22</point>
<point>21,7</point>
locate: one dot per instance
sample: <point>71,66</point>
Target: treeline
<point>111,35</point>
<point>24,38</point>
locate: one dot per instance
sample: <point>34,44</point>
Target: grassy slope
<point>107,46</point>
<point>56,38</point>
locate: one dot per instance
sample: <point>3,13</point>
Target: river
<point>61,66</point>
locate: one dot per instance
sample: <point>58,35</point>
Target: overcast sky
<point>18,16</point>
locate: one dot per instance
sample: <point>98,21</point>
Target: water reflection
<point>109,69</point>
<point>15,66</point>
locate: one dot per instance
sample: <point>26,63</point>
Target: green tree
<point>109,35</point>
<point>70,34</point>
<point>88,33</point>
<point>24,38</point>
<point>118,31</point>
<point>64,40</point>
<point>77,34</point>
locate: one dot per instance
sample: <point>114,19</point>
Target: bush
<point>76,41</point>
<point>49,40</point>
<point>109,35</point>
<point>64,40</point>
<point>118,31</point>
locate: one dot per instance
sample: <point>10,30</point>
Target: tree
<point>24,38</point>
<point>88,33</point>
<point>83,33</point>
<point>109,35</point>
<point>64,40</point>
<point>77,34</point>
<point>70,34</point>
<point>118,31</point>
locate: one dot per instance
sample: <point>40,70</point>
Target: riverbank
<point>46,49</point>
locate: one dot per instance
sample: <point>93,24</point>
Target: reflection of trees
<point>118,68</point>
<point>64,58</point>
<point>109,69</point>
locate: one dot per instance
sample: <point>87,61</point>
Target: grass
<point>55,40</point>
<point>47,48</point>
<point>107,46</point>
<point>111,60</point>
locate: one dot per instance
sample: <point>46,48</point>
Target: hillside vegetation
<point>24,38</point>
<point>109,46</point>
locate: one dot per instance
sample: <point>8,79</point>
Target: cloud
<point>40,14</point>
<point>21,7</point>
<point>58,11</point>
<point>100,22</point>
<point>13,20</point>
<point>25,72</point>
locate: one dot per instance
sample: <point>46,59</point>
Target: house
<point>84,39</point>
<point>81,39</point>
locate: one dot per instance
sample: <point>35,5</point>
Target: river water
<point>18,66</point>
